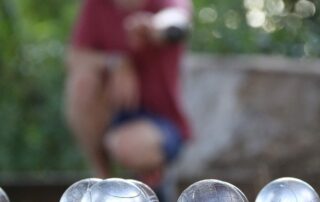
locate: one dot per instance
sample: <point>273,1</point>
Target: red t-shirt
<point>100,26</point>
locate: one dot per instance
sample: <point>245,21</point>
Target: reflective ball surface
<point>287,189</point>
<point>114,190</point>
<point>212,191</point>
<point>3,196</point>
<point>76,191</point>
<point>149,193</point>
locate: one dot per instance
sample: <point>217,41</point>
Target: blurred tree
<point>32,130</point>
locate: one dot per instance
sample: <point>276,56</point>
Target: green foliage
<point>295,36</point>
<point>32,131</point>
<point>33,35</point>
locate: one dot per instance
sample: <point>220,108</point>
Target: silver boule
<point>3,196</point>
<point>287,189</point>
<point>149,193</point>
<point>77,190</point>
<point>212,190</point>
<point>114,190</point>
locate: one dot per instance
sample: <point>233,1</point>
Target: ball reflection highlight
<point>114,190</point>
<point>288,190</point>
<point>76,191</point>
<point>3,196</point>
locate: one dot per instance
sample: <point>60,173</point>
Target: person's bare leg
<point>88,114</point>
<point>136,145</point>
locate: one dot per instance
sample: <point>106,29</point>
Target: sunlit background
<point>256,26</point>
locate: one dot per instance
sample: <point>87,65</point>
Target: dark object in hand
<point>173,24</point>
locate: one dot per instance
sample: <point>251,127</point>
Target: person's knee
<point>136,146</point>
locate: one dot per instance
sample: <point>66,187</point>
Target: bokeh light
<point>216,34</point>
<point>305,8</point>
<point>272,15</point>
<point>312,46</point>
<point>256,18</point>
<point>275,7</point>
<point>232,19</point>
<point>270,25</point>
<point>254,4</point>
<point>208,15</point>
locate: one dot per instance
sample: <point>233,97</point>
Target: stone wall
<point>255,118</point>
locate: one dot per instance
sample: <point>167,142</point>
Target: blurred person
<point>122,90</point>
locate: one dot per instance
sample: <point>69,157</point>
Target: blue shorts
<point>172,137</point>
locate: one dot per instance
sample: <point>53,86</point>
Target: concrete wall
<point>255,118</point>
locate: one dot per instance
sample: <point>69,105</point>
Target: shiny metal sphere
<point>76,191</point>
<point>149,193</point>
<point>3,196</point>
<point>287,189</point>
<point>212,191</point>
<point>114,190</point>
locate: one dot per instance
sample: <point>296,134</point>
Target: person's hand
<point>124,86</point>
<point>141,31</point>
